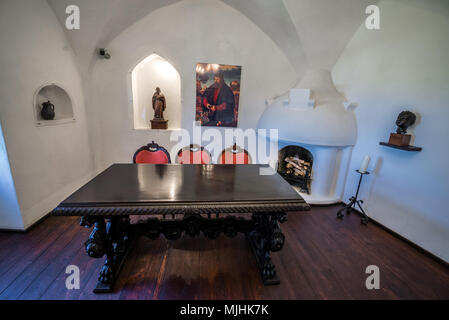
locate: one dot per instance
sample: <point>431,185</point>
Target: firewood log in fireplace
<point>298,172</point>
<point>296,166</point>
<point>292,163</point>
<point>294,170</point>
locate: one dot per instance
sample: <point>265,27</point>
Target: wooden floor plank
<point>347,256</point>
<point>55,267</point>
<point>142,281</point>
<point>319,270</point>
<point>226,264</point>
<point>34,268</point>
<point>10,238</point>
<point>392,260</point>
<point>30,248</point>
<point>17,245</point>
<point>87,266</point>
<point>181,275</point>
<point>323,258</point>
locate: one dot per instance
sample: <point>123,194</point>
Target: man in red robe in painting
<point>219,100</point>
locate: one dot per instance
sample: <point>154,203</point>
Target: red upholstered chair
<point>152,153</point>
<point>194,154</point>
<point>234,155</point>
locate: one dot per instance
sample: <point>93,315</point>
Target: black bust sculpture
<point>405,119</point>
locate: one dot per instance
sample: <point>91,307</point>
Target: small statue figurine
<point>159,106</point>
<point>405,119</point>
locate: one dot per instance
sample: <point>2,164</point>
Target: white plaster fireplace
<point>315,116</point>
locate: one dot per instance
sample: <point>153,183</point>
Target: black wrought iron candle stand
<point>353,201</point>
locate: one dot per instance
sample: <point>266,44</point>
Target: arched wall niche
<point>60,98</point>
<point>151,72</point>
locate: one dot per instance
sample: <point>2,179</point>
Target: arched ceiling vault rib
<point>273,19</point>
<point>310,33</point>
<point>128,12</point>
<point>104,20</point>
<point>325,27</point>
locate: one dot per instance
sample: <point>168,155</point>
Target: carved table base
<point>266,237</point>
<point>114,237</point>
<point>110,271</point>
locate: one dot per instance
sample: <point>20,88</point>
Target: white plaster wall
<point>9,206</point>
<point>47,163</point>
<point>185,33</point>
<point>404,65</point>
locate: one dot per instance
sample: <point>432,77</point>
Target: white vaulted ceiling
<point>310,33</point>
<point>325,27</point>
<point>101,22</point>
<point>274,20</point>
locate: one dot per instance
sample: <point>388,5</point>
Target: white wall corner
<point>350,106</point>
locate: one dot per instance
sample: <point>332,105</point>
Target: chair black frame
<point>152,147</point>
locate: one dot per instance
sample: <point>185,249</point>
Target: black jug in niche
<point>48,111</point>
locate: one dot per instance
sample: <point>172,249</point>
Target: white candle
<point>365,164</point>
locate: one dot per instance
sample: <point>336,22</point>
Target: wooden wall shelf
<point>405,148</point>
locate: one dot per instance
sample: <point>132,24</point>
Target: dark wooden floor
<point>323,258</point>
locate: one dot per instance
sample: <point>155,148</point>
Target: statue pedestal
<point>159,124</point>
<point>400,140</point>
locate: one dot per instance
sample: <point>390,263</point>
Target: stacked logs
<point>296,166</point>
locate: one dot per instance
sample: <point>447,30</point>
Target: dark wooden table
<point>211,199</point>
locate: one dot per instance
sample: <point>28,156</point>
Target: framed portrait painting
<point>217,94</point>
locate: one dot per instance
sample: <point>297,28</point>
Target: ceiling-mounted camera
<point>104,53</point>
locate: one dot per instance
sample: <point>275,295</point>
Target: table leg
<point>111,269</point>
<point>265,238</point>
<point>110,239</point>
